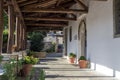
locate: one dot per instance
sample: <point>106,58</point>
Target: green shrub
<point>36,41</point>
<point>9,70</point>
<point>42,75</point>
<point>82,58</point>
<point>1,57</point>
<point>72,55</point>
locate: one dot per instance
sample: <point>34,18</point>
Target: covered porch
<point>80,21</point>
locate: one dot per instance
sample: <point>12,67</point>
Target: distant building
<point>54,38</point>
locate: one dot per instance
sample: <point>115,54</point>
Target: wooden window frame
<point>70,34</point>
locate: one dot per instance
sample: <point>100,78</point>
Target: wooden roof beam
<point>43,28</point>
<point>82,4</point>
<point>20,1</point>
<point>49,19</point>
<point>42,24</point>
<point>28,3</point>
<point>42,4</point>
<point>100,0</point>
<point>55,10</point>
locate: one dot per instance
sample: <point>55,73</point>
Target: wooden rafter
<point>43,28</point>
<point>28,3</point>
<point>82,4</point>
<point>68,4</point>
<point>42,4</point>
<point>50,19</point>
<point>55,10</point>
<point>20,1</point>
<point>58,2</point>
<point>44,24</point>
<point>100,0</point>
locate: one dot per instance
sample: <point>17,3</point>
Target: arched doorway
<point>82,37</point>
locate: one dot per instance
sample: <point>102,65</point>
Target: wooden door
<point>82,37</point>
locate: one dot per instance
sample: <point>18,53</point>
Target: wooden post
<point>24,38</point>
<point>1,25</point>
<point>21,37</point>
<point>17,33</point>
<point>11,28</point>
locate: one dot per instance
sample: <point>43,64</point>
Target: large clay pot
<point>82,63</point>
<point>26,69</point>
<point>72,60</point>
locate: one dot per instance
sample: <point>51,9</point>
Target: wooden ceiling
<point>46,14</point>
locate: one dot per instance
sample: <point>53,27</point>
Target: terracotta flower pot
<point>26,69</point>
<point>72,60</point>
<point>83,64</point>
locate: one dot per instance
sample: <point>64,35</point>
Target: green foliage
<point>9,70</point>
<point>1,57</point>
<point>72,55</point>
<point>5,32</point>
<point>51,49</point>
<point>29,60</point>
<point>82,58</point>
<point>5,36</point>
<point>5,20</point>
<point>36,41</point>
<point>30,53</point>
<point>42,75</point>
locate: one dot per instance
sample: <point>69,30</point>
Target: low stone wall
<point>40,54</point>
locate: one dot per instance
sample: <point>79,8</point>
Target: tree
<point>36,40</point>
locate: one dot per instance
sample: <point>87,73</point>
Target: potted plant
<point>82,62</point>
<point>72,57</point>
<point>27,62</point>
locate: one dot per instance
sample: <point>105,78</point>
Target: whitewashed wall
<point>74,45</point>
<point>103,50</point>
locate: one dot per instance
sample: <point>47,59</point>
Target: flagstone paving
<point>58,68</point>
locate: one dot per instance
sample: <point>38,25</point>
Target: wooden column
<point>1,25</point>
<point>21,37</point>
<point>17,37</point>
<point>24,38</point>
<point>10,27</point>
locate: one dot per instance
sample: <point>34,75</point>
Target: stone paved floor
<point>58,68</point>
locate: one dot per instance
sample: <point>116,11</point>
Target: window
<point>116,18</point>
<point>70,32</point>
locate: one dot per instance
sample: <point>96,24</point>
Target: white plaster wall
<point>74,45</point>
<point>102,49</point>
